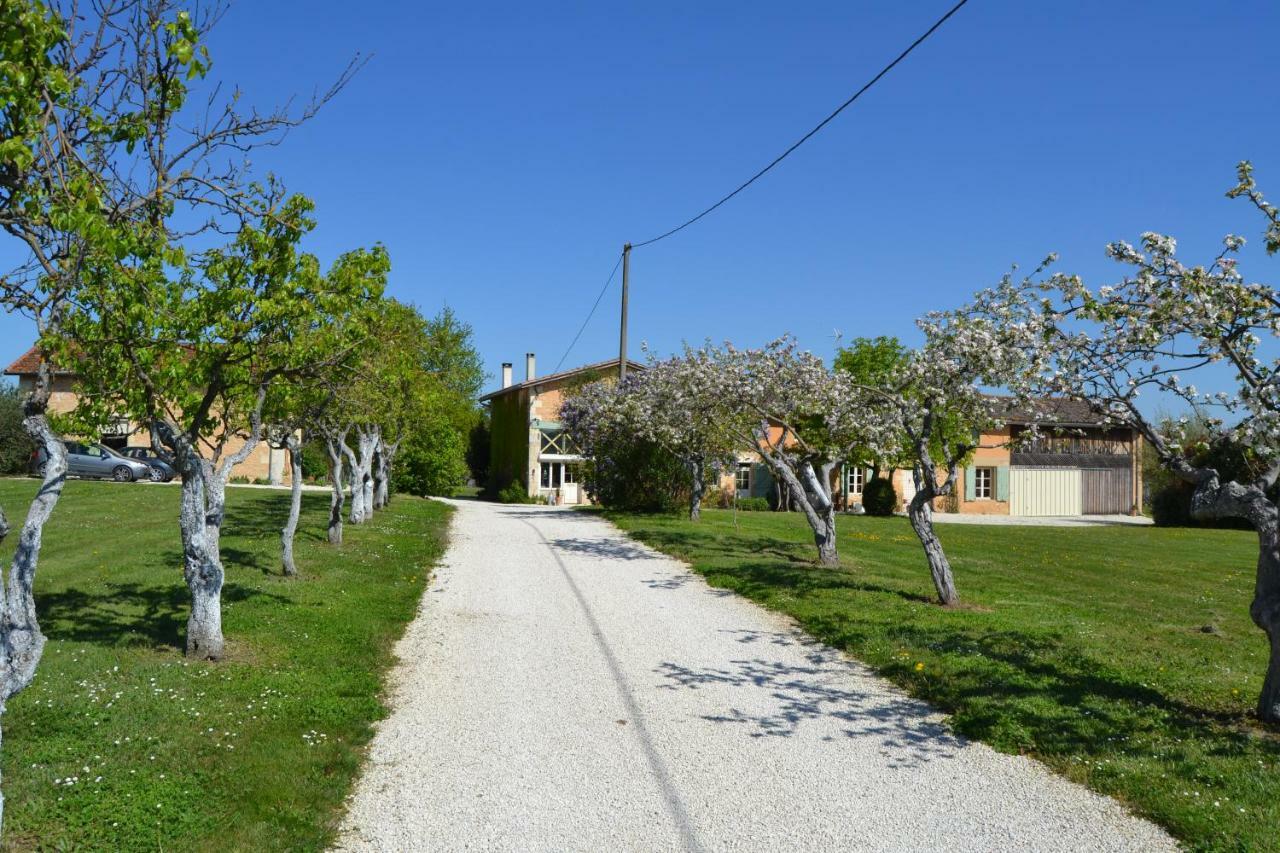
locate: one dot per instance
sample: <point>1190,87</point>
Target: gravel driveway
<point>564,688</point>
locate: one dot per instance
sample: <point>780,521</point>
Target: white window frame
<point>984,483</point>
<point>742,483</point>
<point>855,479</point>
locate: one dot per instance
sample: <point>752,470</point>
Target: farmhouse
<point>1074,464</point>
<point>527,443</point>
<point>265,463</point>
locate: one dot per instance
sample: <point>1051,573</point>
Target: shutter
<point>1002,483</point>
<point>970,480</point>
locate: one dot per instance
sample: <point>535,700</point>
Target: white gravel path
<point>564,688</point>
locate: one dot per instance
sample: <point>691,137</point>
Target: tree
<point>801,418</point>
<point>297,408</point>
<point>435,409</point>
<point>622,468</point>
<point>872,363</point>
<point>1146,335</point>
<point>198,354</point>
<point>932,401</point>
<point>105,176</point>
<point>675,404</point>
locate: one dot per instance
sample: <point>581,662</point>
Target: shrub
<point>879,497</point>
<point>633,474</point>
<point>514,493</point>
<point>431,463</point>
<point>753,504</point>
<point>315,460</point>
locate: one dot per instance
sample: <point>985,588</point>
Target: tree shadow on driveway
<point>773,698</point>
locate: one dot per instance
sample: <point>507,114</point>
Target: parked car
<point>161,471</point>
<point>95,461</point>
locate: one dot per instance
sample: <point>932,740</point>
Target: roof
<point>1051,411</point>
<point>28,364</point>
<point>610,364</point>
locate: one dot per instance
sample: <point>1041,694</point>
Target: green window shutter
<point>1002,483</point>
<point>970,479</point>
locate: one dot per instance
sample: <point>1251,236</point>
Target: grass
<point>1124,658</point>
<point>121,744</point>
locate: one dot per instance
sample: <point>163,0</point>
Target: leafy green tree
<point>16,445</point>
<point>872,363</point>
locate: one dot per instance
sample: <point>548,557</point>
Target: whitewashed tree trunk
<point>293,447</point>
<point>362,476</point>
<point>353,483</point>
<point>920,513</point>
<point>697,486</point>
<point>201,566</point>
<point>336,496</point>
<point>367,475</point>
<point>21,642</point>
<point>809,491</point>
<point>382,482</point>
<point>1213,499</point>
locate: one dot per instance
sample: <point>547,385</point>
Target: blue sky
<point>504,153</point>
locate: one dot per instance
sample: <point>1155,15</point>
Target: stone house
<point>264,463</point>
<point>527,443</point>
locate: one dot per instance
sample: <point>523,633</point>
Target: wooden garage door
<point>1044,491</point>
<point>1107,491</point>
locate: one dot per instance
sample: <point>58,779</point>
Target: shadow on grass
<point>128,614</point>
<point>262,519</point>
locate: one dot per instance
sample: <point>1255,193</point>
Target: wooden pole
<point>622,336</point>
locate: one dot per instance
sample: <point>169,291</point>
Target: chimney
<point>530,364</point>
<point>506,374</point>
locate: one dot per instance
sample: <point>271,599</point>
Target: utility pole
<point>622,335</point>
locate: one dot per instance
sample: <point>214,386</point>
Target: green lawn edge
<point>256,752</point>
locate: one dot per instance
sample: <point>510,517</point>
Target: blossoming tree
<point>802,419</point>
<point>932,400</point>
<point>677,404</point>
<point>1146,336</point>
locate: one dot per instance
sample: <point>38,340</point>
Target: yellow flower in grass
<point>919,667</point>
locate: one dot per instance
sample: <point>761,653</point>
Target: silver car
<point>96,461</point>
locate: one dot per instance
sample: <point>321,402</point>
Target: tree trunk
<point>379,491</point>
<point>1265,611</point>
<point>294,449</point>
<point>21,643</point>
<point>336,496</point>
<point>804,487</point>
<point>921,516</point>
<point>698,488</point>
<point>201,566</point>
<point>362,478</point>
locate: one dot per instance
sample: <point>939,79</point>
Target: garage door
<point>1044,491</point>
<point>1107,491</point>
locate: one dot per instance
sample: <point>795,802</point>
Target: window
<point>571,473</point>
<point>855,479</point>
<point>742,477</point>
<point>557,442</point>
<point>983,483</point>
<point>551,475</point>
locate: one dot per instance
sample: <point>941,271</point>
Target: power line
<point>805,138</point>
<point>590,314</point>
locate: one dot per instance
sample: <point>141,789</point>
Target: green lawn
<point>253,753</point>
<point>1122,657</point>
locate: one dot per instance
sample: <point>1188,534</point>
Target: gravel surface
<point>564,688</point>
